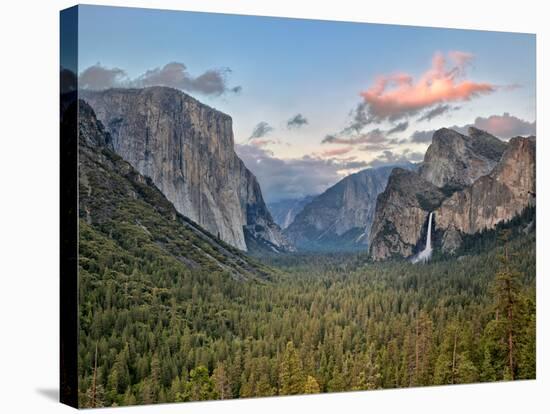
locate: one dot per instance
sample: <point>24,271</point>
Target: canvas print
<point>257,206</point>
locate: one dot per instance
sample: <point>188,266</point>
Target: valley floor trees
<point>155,330</point>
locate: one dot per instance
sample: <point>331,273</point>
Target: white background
<point>29,223</point>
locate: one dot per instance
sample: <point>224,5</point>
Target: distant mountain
<point>341,217</point>
<point>284,211</point>
<point>471,183</point>
<point>123,213</point>
<point>187,149</point>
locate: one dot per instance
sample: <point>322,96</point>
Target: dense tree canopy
<point>165,331</point>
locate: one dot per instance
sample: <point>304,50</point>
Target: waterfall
<point>426,254</point>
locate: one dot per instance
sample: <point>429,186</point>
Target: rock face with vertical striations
<point>401,214</point>
<point>187,149</point>
<point>117,204</point>
<point>471,183</point>
<point>493,198</point>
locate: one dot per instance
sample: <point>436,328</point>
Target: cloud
<point>392,158</point>
<point>506,125</point>
<point>422,137</point>
<point>360,119</point>
<point>258,142</point>
<point>297,121</point>
<point>294,178</point>
<point>261,130</point>
<point>374,136</point>
<point>437,111</point>
<point>336,151</point>
<point>396,96</point>
<point>174,74</point>
<point>503,126</point>
<point>402,126</point>
<point>99,77</point>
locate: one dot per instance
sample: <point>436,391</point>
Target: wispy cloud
<point>260,130</point>
<point>400,127</point>
<point>437,111</point>
<point>336,151</point>
<point>394,158</point>
<point>297,121</point>
<point>373,136</point>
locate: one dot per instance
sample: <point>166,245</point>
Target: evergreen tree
<point>200,386</point>
<point>311,386</point>
<point>291,380</point>
<point>221,381</point>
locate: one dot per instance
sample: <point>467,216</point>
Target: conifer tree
<point>311,386</point>
<point>291,379</point>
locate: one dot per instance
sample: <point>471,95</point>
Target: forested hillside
<point>159,331</point>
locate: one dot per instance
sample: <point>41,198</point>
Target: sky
<point>313,101</point>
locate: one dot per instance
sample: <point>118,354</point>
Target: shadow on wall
<point>49,393</point>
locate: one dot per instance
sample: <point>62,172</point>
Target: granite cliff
<point>471,183</point>
<point>493,198</point>
<point>123,212</point>
<point>401,213</point>
<point>454,160</point>
<point>187,149</point>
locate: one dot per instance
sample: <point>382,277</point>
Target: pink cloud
<point>398,95</point>
<point>505,125</point>
<point>257,142</point>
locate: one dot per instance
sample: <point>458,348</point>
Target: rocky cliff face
<point>187,149</point>
<point>454,160</point>
<point>342,216</point>
<point>471,183</point>
<point>117,204</point>
<point>495,197</point>
<point>401,214</point>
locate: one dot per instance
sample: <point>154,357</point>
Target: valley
<point>190,290</point>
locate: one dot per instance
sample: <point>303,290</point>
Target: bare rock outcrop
<point>187,149</point>
<point>454,160</point>
<point>401,214</point>
<point>495,197</point>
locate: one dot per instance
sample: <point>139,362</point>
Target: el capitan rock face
<point>187,149</point>
<point>342,216</point>
<point>401,214</point>
<point>116,202</point>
